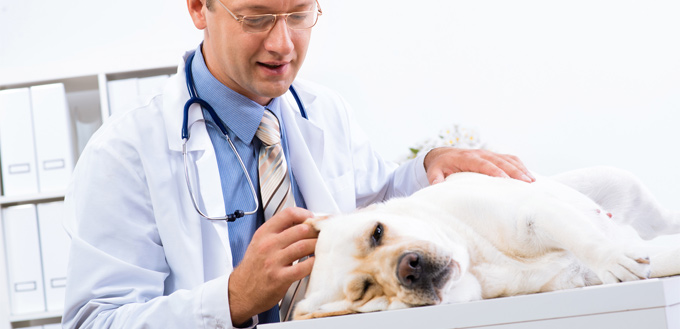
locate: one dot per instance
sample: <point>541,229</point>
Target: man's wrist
<point>420,172</point>
<point>237,305</point>
<point>431,154</point>
<point>247,324</point>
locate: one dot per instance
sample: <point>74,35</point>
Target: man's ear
<point>197,10</point>
<point>317,222</point>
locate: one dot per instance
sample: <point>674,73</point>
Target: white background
<point>562,84</point>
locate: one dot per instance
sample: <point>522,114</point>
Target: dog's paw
<point>666,263</point>
<point>624,266</point>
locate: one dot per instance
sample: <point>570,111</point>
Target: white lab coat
<point>142,257</point>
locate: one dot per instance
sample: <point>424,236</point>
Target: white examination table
<point>648,304</point>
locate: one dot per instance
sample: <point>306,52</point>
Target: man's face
<point>261,65</point>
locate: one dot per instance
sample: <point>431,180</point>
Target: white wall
<point>562,84</point>
<point>42,39</point>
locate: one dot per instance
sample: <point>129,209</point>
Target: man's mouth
<point>271,66</point>
<point>274,69</point>
<point>274,66</point>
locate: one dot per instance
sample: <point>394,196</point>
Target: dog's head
<point>375,260</point>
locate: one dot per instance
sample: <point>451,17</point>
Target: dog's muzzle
<point>423,274</point>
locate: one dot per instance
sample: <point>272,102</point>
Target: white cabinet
<point>89,99</point>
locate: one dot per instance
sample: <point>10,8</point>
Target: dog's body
<point>476,237</point>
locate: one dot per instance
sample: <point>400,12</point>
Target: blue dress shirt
<point>242,117</point>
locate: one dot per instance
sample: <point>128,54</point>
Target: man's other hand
<point>262,278</point>
<point>444,161</point>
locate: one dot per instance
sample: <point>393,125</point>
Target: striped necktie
<point>275,188</point>
<point>276,192</point>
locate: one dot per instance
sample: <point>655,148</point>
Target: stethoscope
<point>194,99</point>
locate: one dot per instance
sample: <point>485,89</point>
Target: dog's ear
<point>317,222</point>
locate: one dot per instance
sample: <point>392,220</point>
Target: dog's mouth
<point>424,276</point>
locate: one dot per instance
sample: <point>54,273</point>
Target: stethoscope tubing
<point>229,217</point>
<point>194,99</point>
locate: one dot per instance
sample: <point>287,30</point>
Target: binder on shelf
<point>150,86</point>
<point>54,244</point>
<point>22,246</point>
<point>127,94</point>
<point>85,106</point>
<point>17,150</point>
<point>122,95</point>
<point>52,127</point>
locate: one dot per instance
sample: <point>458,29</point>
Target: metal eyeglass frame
<point>242,18</point>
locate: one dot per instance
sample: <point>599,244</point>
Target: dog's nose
<point>409,269</point>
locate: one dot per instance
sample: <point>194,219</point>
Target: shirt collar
<point>239,113</point>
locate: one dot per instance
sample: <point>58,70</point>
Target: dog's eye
<point>377,235</point>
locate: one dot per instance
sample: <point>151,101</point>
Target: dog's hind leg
<point>622,194</point>
<point>552,224</point>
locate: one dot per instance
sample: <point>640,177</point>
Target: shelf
<point>31,198</point>
<point>35,316</point>
<point>14,77</point>
<point>86,88</point>
<point>142,73</point>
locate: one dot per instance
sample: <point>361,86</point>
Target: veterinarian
<point>143,257</point>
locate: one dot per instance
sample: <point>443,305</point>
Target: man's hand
<point>266,271</point>
<point>444,161</point>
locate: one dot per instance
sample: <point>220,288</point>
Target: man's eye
<point>298,18</point>
<point>377,235</point>
<point>257,21</point>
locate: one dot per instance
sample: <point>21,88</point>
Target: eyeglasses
<point>301,20</point>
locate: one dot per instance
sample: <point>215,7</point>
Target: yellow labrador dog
<point>475,237</point>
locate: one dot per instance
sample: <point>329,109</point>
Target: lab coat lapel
<point>209,184</point>
<point>175,95</point>
<point>306,147</point>
<point>199,149</point>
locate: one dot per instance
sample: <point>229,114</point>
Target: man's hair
<point>209,4</point>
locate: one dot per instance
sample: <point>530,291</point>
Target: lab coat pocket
<point>342,190</point>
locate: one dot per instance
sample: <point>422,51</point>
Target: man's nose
<point>279,39</point>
